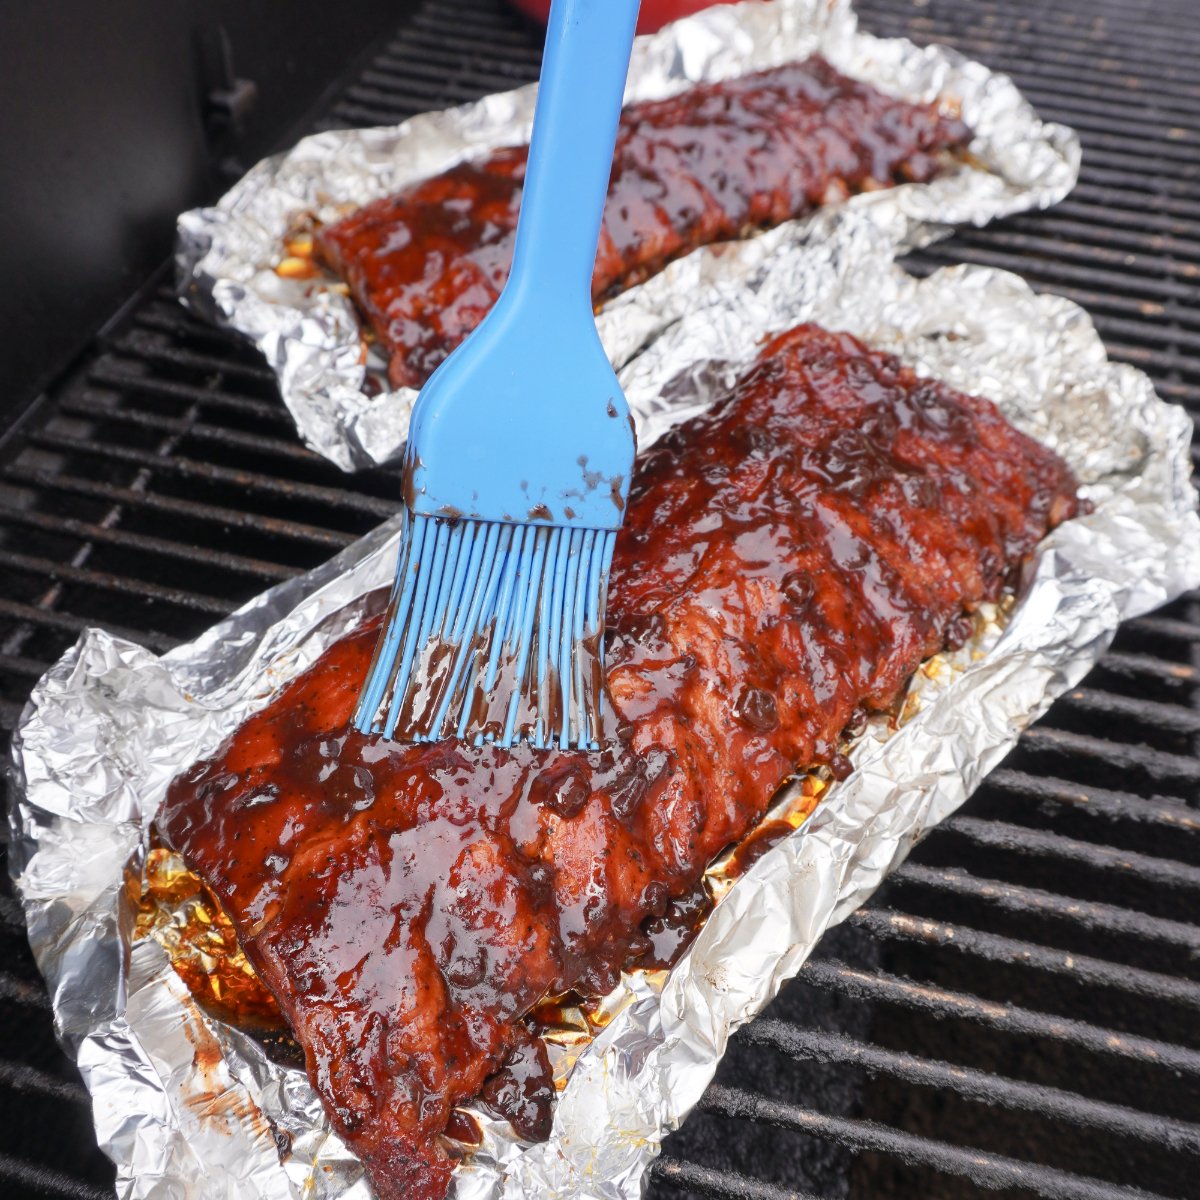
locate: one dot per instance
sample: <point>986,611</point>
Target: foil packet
<point>189,1107</point>
<point>233,266</point>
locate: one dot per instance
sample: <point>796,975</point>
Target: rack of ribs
<point>788,559</point>
<point>711,164</point>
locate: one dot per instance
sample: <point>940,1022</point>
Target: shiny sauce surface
<point>711,164</point>
<point>789,558</point>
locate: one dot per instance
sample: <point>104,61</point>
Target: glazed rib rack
<point>1017,1009</point>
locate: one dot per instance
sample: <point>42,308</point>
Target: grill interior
<point>1016,1010</point>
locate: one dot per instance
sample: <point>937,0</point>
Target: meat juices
<point>710,164</point>
<point>788,558</point>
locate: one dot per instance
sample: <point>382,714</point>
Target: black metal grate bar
<point>45,1181</point>
<point>945,1004</point>
<point>1019,839</point>
<point>982,1087</point>
<point>197,556</point>
<point>1174,816</point>
<point>1079,969</point>
<point>166,507</point>
<point>21,1077</point>
<point>249,482</point>
<point>679,1173</point>
<point>1028,902</point>
<point>987,1171</point>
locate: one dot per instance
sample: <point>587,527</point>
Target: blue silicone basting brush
<point>519,453</point>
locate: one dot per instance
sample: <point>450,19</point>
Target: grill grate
<point>1016,1009</point>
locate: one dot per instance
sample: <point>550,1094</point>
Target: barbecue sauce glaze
<point>788,559</point>
<point>710,164</point>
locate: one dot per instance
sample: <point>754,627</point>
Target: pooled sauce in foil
<point>766,837</point>
<point>715,162</point>
<point>175,906</point>
<point>789,558</point>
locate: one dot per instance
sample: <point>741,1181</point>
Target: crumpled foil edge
<point>188,1107</point>
<point>308,329</point>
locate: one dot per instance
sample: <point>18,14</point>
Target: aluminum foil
<point>230,256</point>
<point>190,1108</point>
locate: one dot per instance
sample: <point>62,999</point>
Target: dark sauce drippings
<point>766,837</point>
<point>670,934</point>
<point>280,1047</point>
<point>463,1130</point>
<point>522,1091</point>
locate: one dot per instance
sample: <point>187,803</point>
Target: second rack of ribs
<point>789,558</point>
<point>707,165</point>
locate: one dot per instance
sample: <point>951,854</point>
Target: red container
<point>654,14</point>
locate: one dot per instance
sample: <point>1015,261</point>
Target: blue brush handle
<point>588,44</point>
<point>525,422</point>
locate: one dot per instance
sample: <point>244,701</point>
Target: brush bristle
<point>494,633</point>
